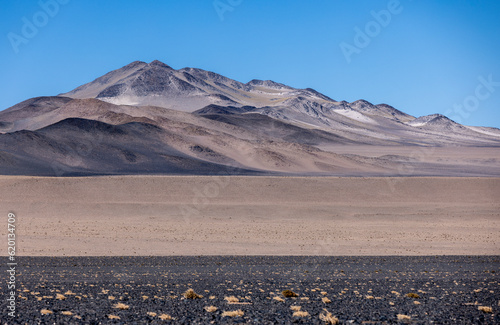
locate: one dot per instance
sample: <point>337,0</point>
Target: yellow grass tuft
<point>370,297</point>
<point>485,309</point>
<point>300,314</point>
<point>46,312</point>
<point>289,294</point>
<point>150,313</point>
<point>404,318</point>
<point>210,309</point>
<point>66,313</point>
<point>328,318</point>
<point>113,317</point>
<point>326,300</point>
<point>121,306</point>
<point>211,297</point>
<point>295,308</point>
<point>278,299</point>
<point>111,297</point>
<point>231,299</point>
<point>145,297</point>
<point>416,302</point>
<point>190,294</point>
<point>234,313</point>
<point>412,295</point>
<point>165,317</point>
<point>60,296</point>
<point>324,293</point>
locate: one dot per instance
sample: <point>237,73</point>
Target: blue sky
<point>419,56</point>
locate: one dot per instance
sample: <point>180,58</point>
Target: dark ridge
<point>229,110</point>
<point>84,125</point>
<point>143,126</point>
<point>25,134</point>
<point>112,91</point>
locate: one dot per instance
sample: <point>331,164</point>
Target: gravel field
<point>355,290</point>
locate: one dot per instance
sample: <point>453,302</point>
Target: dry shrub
<point>152,314</point>
<point>278,299</point>
<point>416,302</point>
<point>165,317</point>
<point>66,313</point>
<point>326,300</point>
<point>231,299</point>
<point>234,313</point>
<point>210,309</point>
<point>46,312</point>
<point>60,296</point>
<point>412,295</point>
<point>295,308</point>
<point>404,318</point>
<point>289,294</point>
<point>121,306</point>
<point>190,294</point>
<point>485,309</point>
<point>328,318</point>
<point>370,297</point>
<point>300,314</point>
<point>113,317</point>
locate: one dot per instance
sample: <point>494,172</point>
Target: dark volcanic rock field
<point>356,290</point>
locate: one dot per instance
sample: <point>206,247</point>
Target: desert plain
<point>253,215</point>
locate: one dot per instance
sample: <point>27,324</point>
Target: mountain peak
<point>432,120</point>
<point>267,83</point>
<point>157,63</point>
<point>134,64</point>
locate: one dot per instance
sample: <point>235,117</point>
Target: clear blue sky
<point>426,57</point>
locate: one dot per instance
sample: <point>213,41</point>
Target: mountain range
<point>148,118</point>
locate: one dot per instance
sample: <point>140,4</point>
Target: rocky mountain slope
<point>149,118</point>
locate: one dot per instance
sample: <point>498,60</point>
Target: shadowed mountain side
<point>77,146</point>
<point>270,128</point>
<point>85,147</point>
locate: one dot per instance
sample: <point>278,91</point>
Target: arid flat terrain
<point>249,290</point>
<point>246,215</point>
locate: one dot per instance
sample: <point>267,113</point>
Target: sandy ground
<point>198,215</point>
